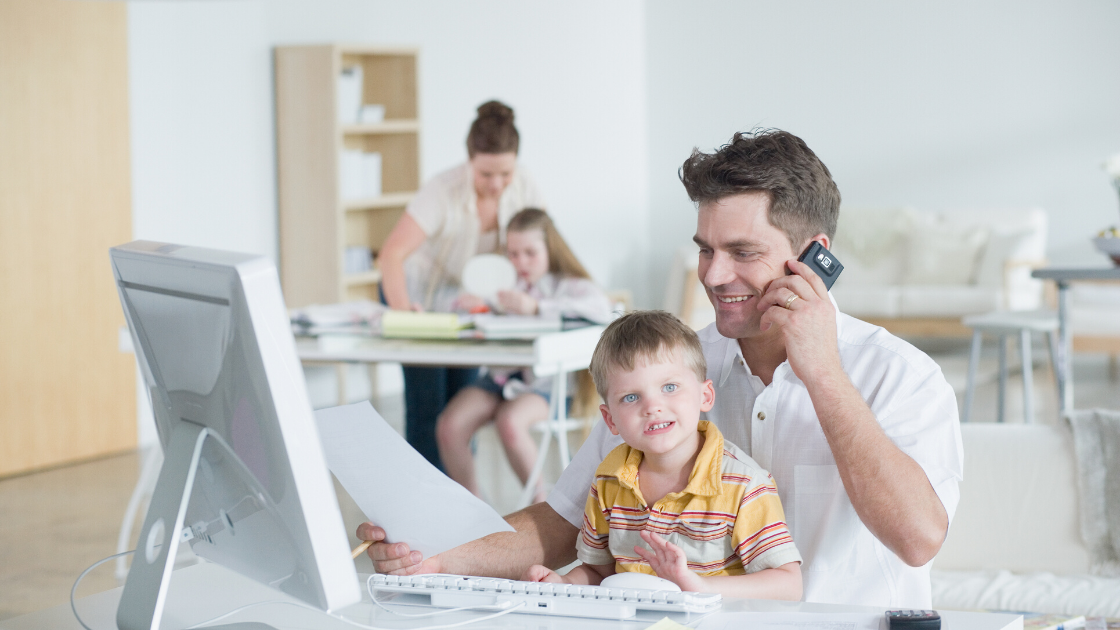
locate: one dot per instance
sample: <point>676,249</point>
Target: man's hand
<point>799,306</point>
<point>668,561</point>
<point>395,558</point>
<point>889,491</point>
<point>517,302</point>
<point>541,573</point>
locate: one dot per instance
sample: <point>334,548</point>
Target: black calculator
<point>913,620</point>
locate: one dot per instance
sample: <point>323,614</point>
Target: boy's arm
<point>783,582</point>
<point>668,561</point>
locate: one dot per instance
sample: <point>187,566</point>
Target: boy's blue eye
<point>669,388</point>
<point>629,398</point>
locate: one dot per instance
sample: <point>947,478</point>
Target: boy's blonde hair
<point>644,335</point>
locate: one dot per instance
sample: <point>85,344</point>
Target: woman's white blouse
<point>446,209</point>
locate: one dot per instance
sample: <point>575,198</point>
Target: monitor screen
<point>244,478</point>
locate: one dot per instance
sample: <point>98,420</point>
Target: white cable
<point>356,623</point>
<point>78,581</point>
<point>506,609</point>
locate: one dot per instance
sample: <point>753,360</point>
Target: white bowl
<point>1109,246</point>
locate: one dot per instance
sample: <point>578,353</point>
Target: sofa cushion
<point>871,242</point>
<point>946,301</point>
<point>867,301</point>
<point>1018,508</point>
<point>1032,592</point>
<point>942,250</point>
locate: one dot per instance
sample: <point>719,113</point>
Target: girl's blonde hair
<point>561,260</point>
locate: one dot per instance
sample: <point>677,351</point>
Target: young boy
<point>708,515</point>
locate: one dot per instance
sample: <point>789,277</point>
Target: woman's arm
<point>405,238</point>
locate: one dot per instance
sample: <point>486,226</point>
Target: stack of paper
<point>410,325</point>
<point>360,173</point>
<point>499,326</point>
<point>349,94</point>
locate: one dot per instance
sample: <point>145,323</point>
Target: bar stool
<point>1004,323</point>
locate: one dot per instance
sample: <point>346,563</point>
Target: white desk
<point>204,591</point>
<point>548,354</point>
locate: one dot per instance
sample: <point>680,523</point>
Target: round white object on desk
<point>486,274</point>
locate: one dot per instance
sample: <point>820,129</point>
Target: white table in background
<point>204,591</point>
<point>550,354</point>
<point>1063,277</point>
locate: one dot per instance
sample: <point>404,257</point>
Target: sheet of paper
<point>793,621</point>
<point>396,487</point>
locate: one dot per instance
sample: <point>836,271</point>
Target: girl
<point>550,282</point>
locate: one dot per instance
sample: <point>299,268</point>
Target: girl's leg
<point>513,420</point>
<point>468,410</point>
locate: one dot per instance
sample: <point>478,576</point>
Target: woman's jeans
<point>426,392</point>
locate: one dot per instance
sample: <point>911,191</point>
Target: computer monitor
<point>244,479</point>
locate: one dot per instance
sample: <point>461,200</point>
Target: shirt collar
<point>707,473</point>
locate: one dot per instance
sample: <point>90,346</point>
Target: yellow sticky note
<point>667,624</point>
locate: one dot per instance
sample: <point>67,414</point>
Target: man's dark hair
<point>804,201</point>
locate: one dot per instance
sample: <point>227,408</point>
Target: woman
<point>459,213</point>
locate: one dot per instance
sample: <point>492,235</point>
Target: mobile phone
<point>823,262</point>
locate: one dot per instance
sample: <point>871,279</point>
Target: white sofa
<point>902,264</point>
<point>1015,543</point>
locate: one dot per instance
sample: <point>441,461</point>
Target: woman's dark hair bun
<point>493,130</point>
<point>496,110</point>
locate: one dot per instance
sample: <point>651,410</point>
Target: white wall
<point>203,146</point>
<point>203,121</point>
<point>937,106</point>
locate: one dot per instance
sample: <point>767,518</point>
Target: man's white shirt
<point>905,389</point>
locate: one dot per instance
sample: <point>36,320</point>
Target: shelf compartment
<point>389,78</point>
<point>394,200</point>
<point>371,228</point>
<point>400,158</point>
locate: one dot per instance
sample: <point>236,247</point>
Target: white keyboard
<point>543,598</point>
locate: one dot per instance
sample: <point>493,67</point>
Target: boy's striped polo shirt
<point>728,520</point>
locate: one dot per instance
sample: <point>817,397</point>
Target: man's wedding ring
<point>790,299</point>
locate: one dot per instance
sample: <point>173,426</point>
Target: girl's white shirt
<point>566,297</point>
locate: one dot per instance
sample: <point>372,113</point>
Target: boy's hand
<point>668,561</point>
<point>539,573</point>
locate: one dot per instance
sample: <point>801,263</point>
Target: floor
<point>55,523</point>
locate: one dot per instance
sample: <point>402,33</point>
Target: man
<point>858,428</point>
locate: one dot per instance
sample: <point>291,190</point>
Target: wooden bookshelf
<point>316,223</point>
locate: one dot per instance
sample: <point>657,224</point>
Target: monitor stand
<point>145,590</point>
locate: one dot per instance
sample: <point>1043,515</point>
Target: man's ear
<point>608,419</point>
<point>822,238</point>
<point>707,395</point>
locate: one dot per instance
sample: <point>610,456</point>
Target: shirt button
<point>762,415</point>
